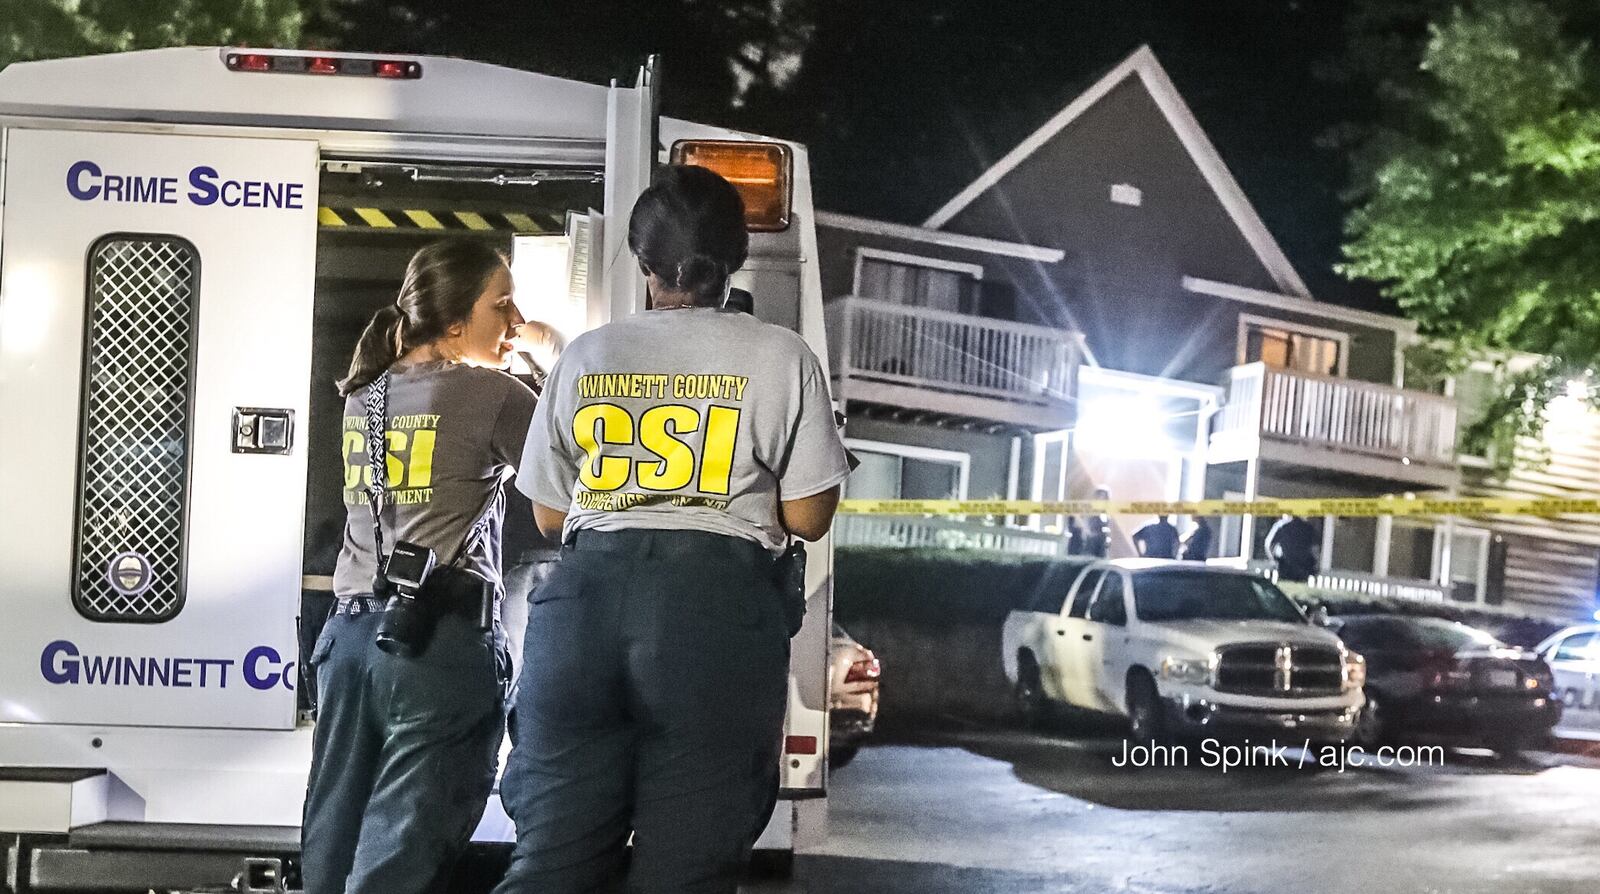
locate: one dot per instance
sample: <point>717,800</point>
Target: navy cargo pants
<point>651,703</point>
<point>403,757</point>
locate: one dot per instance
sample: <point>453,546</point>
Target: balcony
<point>1402,437</point>
<point>940,533</point>
<point>952,364</point>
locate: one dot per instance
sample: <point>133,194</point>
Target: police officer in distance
<point>675,452</point>
<point>406,744</point>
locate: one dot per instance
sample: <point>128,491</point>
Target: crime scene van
<point>191,240</point>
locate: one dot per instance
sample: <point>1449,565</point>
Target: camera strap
<point>377,406</point>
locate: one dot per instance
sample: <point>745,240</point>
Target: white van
<point>190,242</point>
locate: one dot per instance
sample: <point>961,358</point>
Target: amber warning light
<point>762,172</point>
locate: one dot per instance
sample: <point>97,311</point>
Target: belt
<point>664,544</point>
<point>449,589</point>
<point>358,605</point>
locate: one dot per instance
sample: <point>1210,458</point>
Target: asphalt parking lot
<point>995,812</point>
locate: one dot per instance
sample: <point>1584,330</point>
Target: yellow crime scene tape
<point>1349,507</point>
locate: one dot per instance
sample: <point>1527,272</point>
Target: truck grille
<point>1279,669</point>
<point>137,395</point>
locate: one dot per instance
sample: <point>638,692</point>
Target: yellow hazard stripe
<point>424,220</point>
<point>1340,506</point>
<point>329,218</point>
<point>473,220</point>
<point>523,223</point>
<point>375,218</point>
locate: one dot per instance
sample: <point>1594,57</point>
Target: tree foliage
<point>1479,210</point>
<point>47,29</point>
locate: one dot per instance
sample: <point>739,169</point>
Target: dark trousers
<point>403,757</point>
<point>652,703</point>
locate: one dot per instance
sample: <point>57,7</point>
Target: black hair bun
<point>701,274</point>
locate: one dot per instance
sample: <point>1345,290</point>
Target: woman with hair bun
<point>674,453</point>
<point>410,718</point>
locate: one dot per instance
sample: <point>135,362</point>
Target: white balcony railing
<point>1342,414</point>
<point>911,533</point>
<point>936,350</point>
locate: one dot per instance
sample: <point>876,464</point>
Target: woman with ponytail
<point>408,730</point>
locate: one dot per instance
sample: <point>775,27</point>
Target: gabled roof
<point>1143,64</point>
<point>873,227</point>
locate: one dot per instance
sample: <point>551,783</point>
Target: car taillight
<point>800,745</point>
<point>323,66</point>
<point>863,671</point>
<point>1445,673</point>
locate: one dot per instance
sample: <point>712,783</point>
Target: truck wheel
<point>1032,705</point>
<point>1145,721</point>
<point>1372,724</point>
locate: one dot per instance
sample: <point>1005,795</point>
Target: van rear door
<point>155,348</point>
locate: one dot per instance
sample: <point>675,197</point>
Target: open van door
<point>156,309</point>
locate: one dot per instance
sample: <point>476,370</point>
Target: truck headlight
<point>1355,671</point>
<point>1196,671</point>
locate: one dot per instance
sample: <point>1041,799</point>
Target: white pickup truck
<point>1179,647</point>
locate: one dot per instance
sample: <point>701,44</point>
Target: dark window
<point>1186,595</point>
<point>1108,607</point>
<point>1376,635</point>
<point>1287,349</point>
<point>1086,585</point>
<point>913,284</point>
<point>1437,633</point>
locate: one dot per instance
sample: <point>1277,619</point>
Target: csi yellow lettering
<point>663,431</point>
<point>408,459</point>
<point>658,386</point>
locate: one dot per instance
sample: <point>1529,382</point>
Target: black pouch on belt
<point>789,572</point>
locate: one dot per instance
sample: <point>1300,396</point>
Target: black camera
<point>408,620</point>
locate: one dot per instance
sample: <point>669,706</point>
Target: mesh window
<point>134,469</point>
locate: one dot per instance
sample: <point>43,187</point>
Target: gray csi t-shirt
<point>698,419</point>
<point>455,434</point>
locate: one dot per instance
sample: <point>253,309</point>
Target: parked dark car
<point>1429,679</point>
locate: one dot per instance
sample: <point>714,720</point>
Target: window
<point>917,281</point>
<point>1578,647</point>
<point>1474,390</point>
<point>891,471</point>
<point>1288,346</point>
<point>138,401</point>
<point>1108,607</point>
<point>1085,591</point>
<point>1469,564</point>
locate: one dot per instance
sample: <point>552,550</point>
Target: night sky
<point>903,102</point>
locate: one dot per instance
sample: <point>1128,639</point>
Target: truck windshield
<point>1190,595</point>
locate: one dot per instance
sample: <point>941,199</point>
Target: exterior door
<point>155,355</point>
<point>1075,657</point>
<point>1106,657</point>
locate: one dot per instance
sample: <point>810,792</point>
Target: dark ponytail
<point>688,229</point>
<point>443,281</point>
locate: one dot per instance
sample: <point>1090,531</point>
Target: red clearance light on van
<point>288,63</point>
<point>250,62</point>
<point>393,69</point>
<point>800,745</point>
<point>762,172</point>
